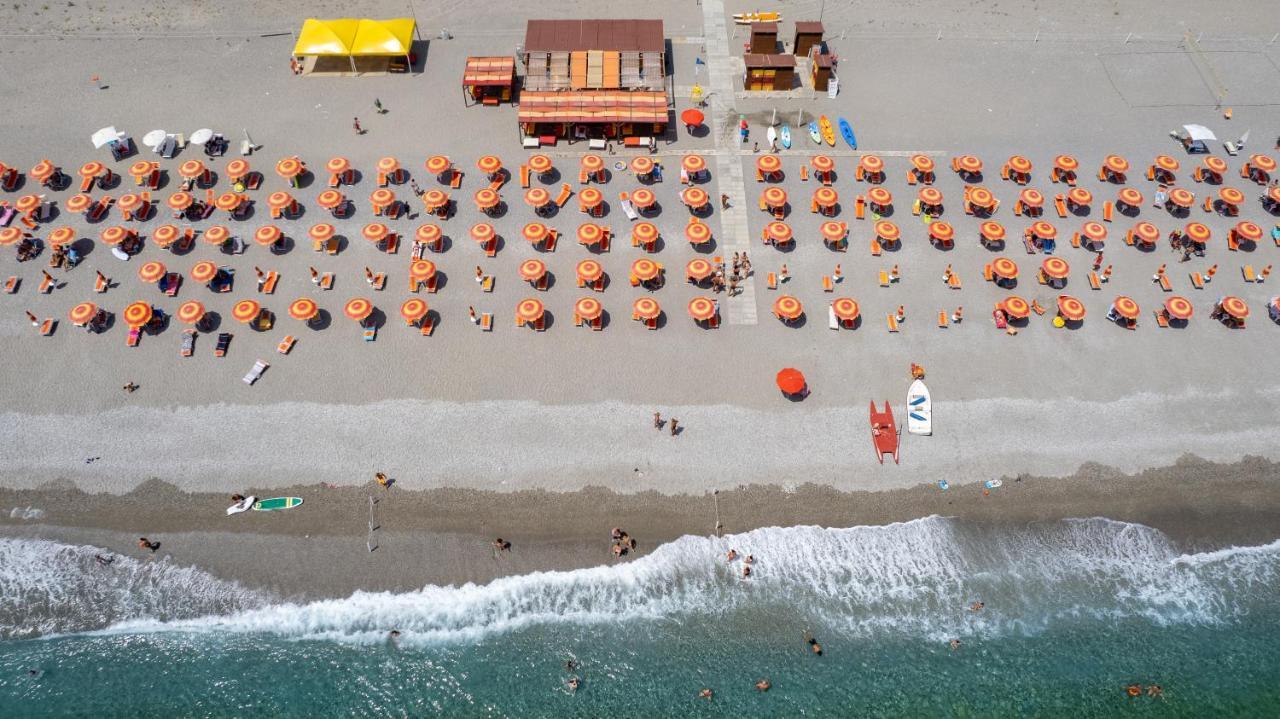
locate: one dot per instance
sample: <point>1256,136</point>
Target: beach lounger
<point>524,177</point>
<point>47,327</point>
<point>326,281</point>
<point>172,281</point>
<point>46,284</point>
<point>875,247</point>
<point>131,339</point>
<point>269,284</point>
<point>550,243</point>
<point>827,285</point>
<point>255,374</point>
<point>432,283</point>
<point>860,207</point>
<point>953,281</point>
<point>942,319</point>
<point>11,285</point>
<point>566,191</point>
<point>1060,204</point>
<point>1248,273</point>
<point>1108,209</point>
<point>486,285</point>
<point>1164,283</point>
<point>486,321</point>
<point>428,325</point>
<point>188,343</point>
<point>1162,320</point>
<point>379,281</point>
<point>491,248</point>
<point>884,278</point>
<point>833,322</point>
<point>1197,280</point>
<point>370,333</point>
<point>1094,282</point>
<point>100,208</point>
<point>892,322</point>
<point>773,280</point>
<point>456,181</point>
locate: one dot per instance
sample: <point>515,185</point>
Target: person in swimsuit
<point>732,555</point>
<point>763,685</point>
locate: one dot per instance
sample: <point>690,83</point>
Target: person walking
<point>674,424</point>
<point>724,201</point>
<point>657,420</point>
<point>377,105</point>
<point>355,124</point>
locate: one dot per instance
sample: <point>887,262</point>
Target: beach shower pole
<point>715,496</point>
<point>368,542</point>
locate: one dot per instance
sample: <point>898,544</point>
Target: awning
<point>489,72</point>
<point>383,38</point>
<point>326,37</point>
<point>593,106</point>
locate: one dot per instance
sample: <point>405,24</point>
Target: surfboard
<point>846,130</point>
<point>993,483</point>
<point>828,134</point>
<point>919,409</point>
<point>746,18</point>
<point>772,135</point>
<point>785,135</point>
<point>814,133</point>
<point>241,506</point>
<point>268,505</point>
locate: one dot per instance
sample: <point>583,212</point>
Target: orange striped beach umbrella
<point>1215,164</point>
<point>1130,196</point>
<point>539,164</point>
<point>267,235</point>
<point>825,197</point>
<point>237,169</point>
<point>697,232</point>
<point>375,232</point>
<point>1094,232</point>
<point>358,308</point>
<point>834,231</point>
<point>78,203</point>
<point>1004,267</point>
<point>191,169</point>
<point>589,233</point>
<point>702,309</point>
<point>246,310</point>
<point>433,200</point>
<point>779,232</point>
<point>92,169</point>
<point>203,271</point>
<point>787,307</point>
<point>1016,307</point>
<point>1166,163</point>
<point>871,164</point>
<point>140,169</point>
<point>529,309</point>
<point>942,231</point>
<point>822,163</point>
<point>9,236</point>
<point>693,164</point>
<point>113,235</point>
<point>1116,164</point>
<point>1198,232</point>
<point>215,235</point>
<point>590,198</point>
<point>588,308</point>
<point>151,271</point>
<point>382,197</point>
<point>1262,162</point>
<point>190,312</point>
<point>279,200</point>
<point>321,232</point>
<point>992,231</point>
<point>81,314</point>
<point>1126,307</point>
<point>1231,196</point>
<point>27,203</point>
<point>1031,197</point>
<point>228,201</point>
<point>1235,307</point>
<point>644,232</point>
<point>642,165</point>
<point>1070,308</point>
<point>930,196</point>
<point>180,200</point>
<point>1146,233</point>
<point>1055,268</point>
<point>1020,164</point>
<point>845,308</point>
<point>304,309</point>
<point>289,168</point>
<point>43,171</point>
<point>769,164</point>
<point>774,197</point>
<point>1079,196</point>
<point>879,197</point>
<point>337,165</point>
<point>1248,231</point>
<point>1065,163</point>
<point>592,163</point>
<point>129,202</point>
<point>533,270</point>
<point>413,309</point>
<point>645,269</point>
<point>537,197</point>
<point>981,197</point>
<point>694,197</point>
<point>922,163</point>
<point>483,232</point>
<point>438,164</point>
<point>166,235</point>
<point>1179,308</point>
<point>590,270</point>
<point>137,314</point>
<point>645,308</point>
<point>535,232</point>
<point>1044,230</point>
<point>61,236</point>
<point>698,269</point>
<point>489,164</point>
<point>1181,197</point>
<point>643,199</point>
<point>969,164</point>
<point>486,198</point>
<point>428,233</point>
<point>421,270</point>
<point>330,199</point>
<point>887,231</point>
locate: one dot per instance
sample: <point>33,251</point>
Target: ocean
<point>1074,612</point>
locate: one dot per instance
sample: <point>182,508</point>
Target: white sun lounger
<point>256,373</point>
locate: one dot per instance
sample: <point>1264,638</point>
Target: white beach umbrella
<point>1200,132</point>
<point>105,136</point>
<point>201,136</point>
<point>154,138</point>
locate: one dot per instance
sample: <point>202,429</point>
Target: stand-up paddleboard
<point>772,136</point>
<point>846,131</point>
<point>919,409</point>
<point>269,505</point>
<point>785,135</point>
<point>242,506</point>
<point>815,134</point>
<point>828,134</point>
<point>746,18</point>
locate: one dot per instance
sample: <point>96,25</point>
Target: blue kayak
<point>846,131</point>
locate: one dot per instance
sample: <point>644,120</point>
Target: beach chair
<point>875,247</point>
<point>172,281</point>
<point>524,176</point>
<point>255,374</point>
<point>428,325</point>
<point>269,284</point>
<point>486,284</point>
<point>987,273</point>
<point>498,183</point>
<point>773,280</point>
<point>827,285</point>
<point>566,191</point>
<point>486,321</point>
<point>1060,204</point>
<point>1197,280</point>
<point>884,278</point>
<point>47,327</point>
<point>456,180</point>
<point>188,343</point>
<point>370,333</point>
<point>1094,282</point>
<point>942,319</point>
<point>379,281</point>
<point>286,344</point>
<point>1233,243</point>
<point>326,281</point>
<point>860,207</point>
<point>1108,208</point>
<point>491,248</point>
<point>131,339</point>
<point>100,208</point>
<point>953,281</point>
<point>46,284</point>
<point>11,285</point>
<point>1162,320</point>
<point>331,246</point>
<point>1164,283</point>
<point>1248,273</point>
<point>549,245</point>
<point>891,321</point>
<point>101,283</point>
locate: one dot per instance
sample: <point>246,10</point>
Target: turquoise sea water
<point>1074,612</point>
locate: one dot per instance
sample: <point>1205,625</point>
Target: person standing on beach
<point>147,544</point>
<point>377,105</point>
<point>355,124</point>
<point>674,424</point>
<point>657,420</point>
<point>724,201</point>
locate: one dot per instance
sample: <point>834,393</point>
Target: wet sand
<point>443,536</point>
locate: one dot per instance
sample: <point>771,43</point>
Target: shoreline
<point>442,536</point>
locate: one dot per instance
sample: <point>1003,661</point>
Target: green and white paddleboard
<point>267,505</point>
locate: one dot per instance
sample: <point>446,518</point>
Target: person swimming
<point>976,606</point>
<point>706,693</point>
<point>574,683</point>
<point>746,571</point>
<point>732,555</point>
<point>955,644</point>
<point>104,561</point>
<point>763,685</point>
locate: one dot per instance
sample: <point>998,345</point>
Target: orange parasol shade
<point>486,198</point>
<point>388,165</point>
<point>1181,197</point>
<point>166,235</point>
<point>845,308</point>
<point>141,168</point>
<point>203,271</point>
<point>382,197</point>
<point>941,231</point>
<point>646,308</point>
<point>969,164</point>
<point>375,232</point>
<point>237,169</point>
<point>1262,162</point>
<point>180,200</point>
<point>113,235</point>
<point>879,197</point>
<point>1130,196</point>
<point>1020,164</point>
<point>61,236</point>
<point>645,269</point>
<point>1044,230</point>
<point>1031,197</point>
<point>774,197</point>
<point>82,313</point>
<point>1066,163</point>
<point>769,164</point>
<point>529,310</point>
<point>1231,196</point>
<point>27,203</point>
<point>643,198</point>
<point>9,236</point>
<point>590,198</point>
<point>1079,196</point>
<point>930,196</point>
<point>1166,163</point>
<point>151,271</point>
<point>642,165</point>
<point>289,168</point>
<point>433,200</point>
<point>330,199</point>
<point>887,231</point>
<point>79,203</point>
<point>871,164</point>
<point>922,163</point>
<point>981,197</point>
<point>589,233</point>
<point>483,232</point>
<point>215,235</point>
<point>693,164</point>
<point>1094,231</point>
<point>42,171</point>
<point>137,314</point>
<point>834,231</point>
<point>825,197</point>
<point>1198,232</point>
<point>698,269</point>
<point>191,169</point>
<point>413,309</point>
<point>539,163</point>
<point>1004,267</point>
<point>228,201</point>
<point>592,163</point>
<point>1116,164</point>
<point>694,197</point>
<point>1248,231</point>
<point>692,116</point>
<point>358,309</point>
<point>1070,308</point>
<point>428,233</point>
<point>1235,307</point>
<point>533,270</point>
<point>702,309</point>
<point>246,310</point>
<point>1016,307</point>
<point>535,232</point>
<point>128,202</point>
<point>421,270</point>
<point>1216,165</point>
<point>992,231</point>
<point>644,232</point>
<point>590,271</point>
<point>92,169</point>
<point>190,312</point>
<point>304,309</point>
<point>489,164</point>
<point>537,197</point>
<point>279,200</point>
<point>267,235</point>
<point>1146,232</point>
<point>438,164</point>
<point>790,380</point>
<point>1056,268</point>
<point>779,232</point>
<point>787,307</point>
<point>1126,307</point>
<point>697,232</point>
<point>822,163</point>
<point>1179,308</point>
<point>588,308</point>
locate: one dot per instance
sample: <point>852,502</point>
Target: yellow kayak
<point>746,18</point>
<point>828,133</point>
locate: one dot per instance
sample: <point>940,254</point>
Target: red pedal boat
<point>884,433</point>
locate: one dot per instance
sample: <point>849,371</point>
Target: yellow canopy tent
<point>321,41</point>
<point>381,38</point>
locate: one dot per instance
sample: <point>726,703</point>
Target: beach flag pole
<point>715,496</point>
<point>368,542</point>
